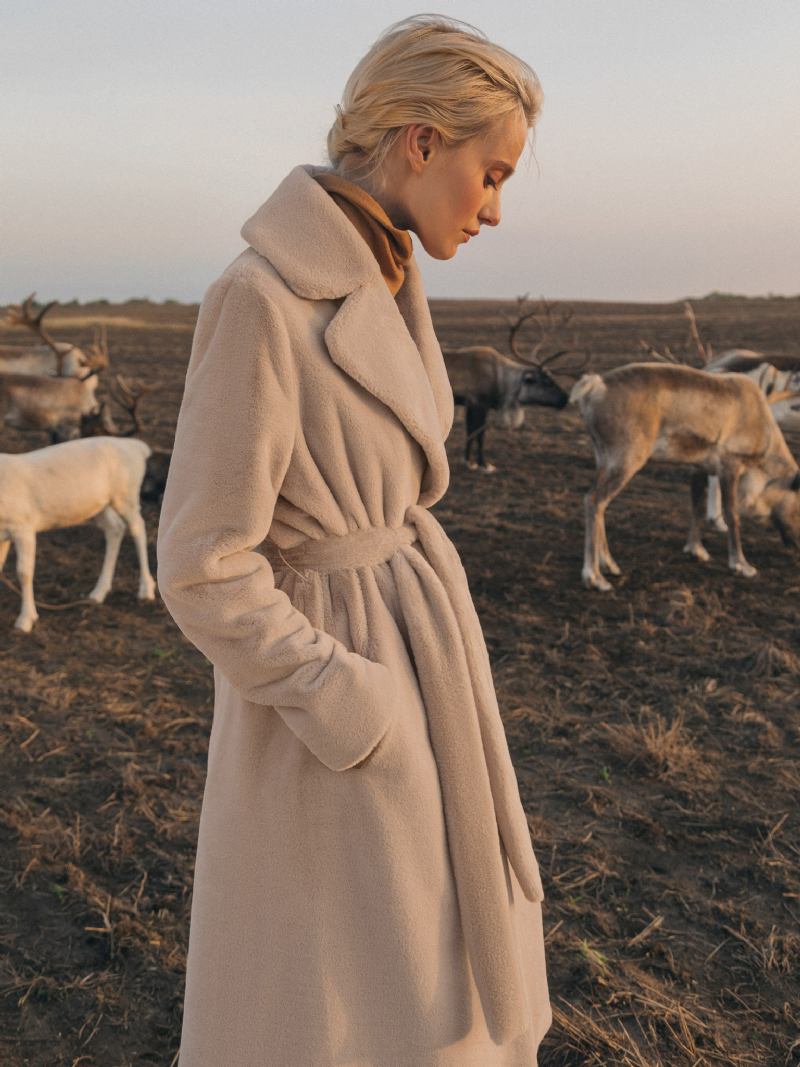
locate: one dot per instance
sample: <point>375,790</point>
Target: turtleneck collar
<point>391,246</point>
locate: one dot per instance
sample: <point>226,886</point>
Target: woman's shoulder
<point>252,275</point>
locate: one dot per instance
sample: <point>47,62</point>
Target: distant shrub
<point>716,294</point>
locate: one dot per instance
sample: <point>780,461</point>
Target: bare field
<point>655,731</point>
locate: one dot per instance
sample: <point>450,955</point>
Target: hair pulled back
<point>433,70</point>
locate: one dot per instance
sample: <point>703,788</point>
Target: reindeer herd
<point>91,471</point>
<point>723,419</point>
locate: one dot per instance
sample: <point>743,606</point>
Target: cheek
<point>466,201</point>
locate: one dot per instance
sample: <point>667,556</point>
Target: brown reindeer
<point>721,424</point>
<point>485,380</point>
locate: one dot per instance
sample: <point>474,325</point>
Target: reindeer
<point>128,394</point>
<point>52,357</point>
<point>484,379</point>
<point>774,375</point>
<point>32,406</point>
<point>95,479</point>
<point>719,423</point>
<point>778,377</point>
<point>37,402</point>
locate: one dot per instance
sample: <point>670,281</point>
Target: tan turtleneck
<point>391,246</point>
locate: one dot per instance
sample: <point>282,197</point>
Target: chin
<point>440,251</point>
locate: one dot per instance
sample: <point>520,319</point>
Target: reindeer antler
<point>99,348</point>
<point>128,394</point>
<point>22,315</point>
<point>576,369</point>
<point>704,351</point>
<point>667,357</point>
<point>548,324</point>
<point>516,323</point>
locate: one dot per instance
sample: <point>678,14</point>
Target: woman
<point>365,890</point>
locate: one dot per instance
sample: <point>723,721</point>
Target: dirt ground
<point>654,729</point>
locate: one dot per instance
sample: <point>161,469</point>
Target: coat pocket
<point>378,750</point>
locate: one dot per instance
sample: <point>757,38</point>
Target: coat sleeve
<point>233,442</point>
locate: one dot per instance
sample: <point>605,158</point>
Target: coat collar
<point>387,344</point>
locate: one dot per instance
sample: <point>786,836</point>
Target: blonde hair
<point>433,70</point>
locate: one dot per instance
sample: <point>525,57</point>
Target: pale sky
<point>138,137</point>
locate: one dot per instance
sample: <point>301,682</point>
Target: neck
<point>374,184</point>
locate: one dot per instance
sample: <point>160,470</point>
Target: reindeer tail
<point>588,385</point>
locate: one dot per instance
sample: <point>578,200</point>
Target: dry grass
<point>654,730</point>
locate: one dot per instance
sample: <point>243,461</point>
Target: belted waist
<point>359,548</point>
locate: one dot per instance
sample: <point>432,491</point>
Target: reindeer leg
<point>610,481</point>
<point>487,468</point>
<point>729,481</point>
<point>471,418</point>
<point>113,527</point>
<point>25,548</point>
<point>133,517</point>
<point>4,547</point>
<point>606,560</point>
<point>694,546</point>
<point>714,511</point>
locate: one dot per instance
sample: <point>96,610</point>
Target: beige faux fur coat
<point>365,892</point>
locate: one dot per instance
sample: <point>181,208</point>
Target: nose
<point>490,213</point>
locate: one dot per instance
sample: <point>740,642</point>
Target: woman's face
<point>444,194</point>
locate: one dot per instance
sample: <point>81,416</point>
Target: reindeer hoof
<point>97,595</point>
<point>471,464</point>
<point>596,581</point>
<point>720,524</point>
<point>611,566</point>
<point>698,551</point>
<point>488,468</point>
<point>25,623</point>
<point>746,570</point>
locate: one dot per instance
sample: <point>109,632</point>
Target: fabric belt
<point>479,789</point>
<point>361,548</point>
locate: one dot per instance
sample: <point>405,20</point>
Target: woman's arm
<point>233,442</point>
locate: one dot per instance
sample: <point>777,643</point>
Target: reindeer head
<point>785,510</point>
<point>70,359</point>
<point>539,387</point>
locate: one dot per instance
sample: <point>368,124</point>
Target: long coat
<point>365,890</point>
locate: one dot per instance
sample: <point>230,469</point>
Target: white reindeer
<point>719,423</point>
<point>95,479</point>
<point>778,377</point>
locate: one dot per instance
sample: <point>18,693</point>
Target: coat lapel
<point>386,344</point>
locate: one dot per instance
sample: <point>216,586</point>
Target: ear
<point>419,140</point>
